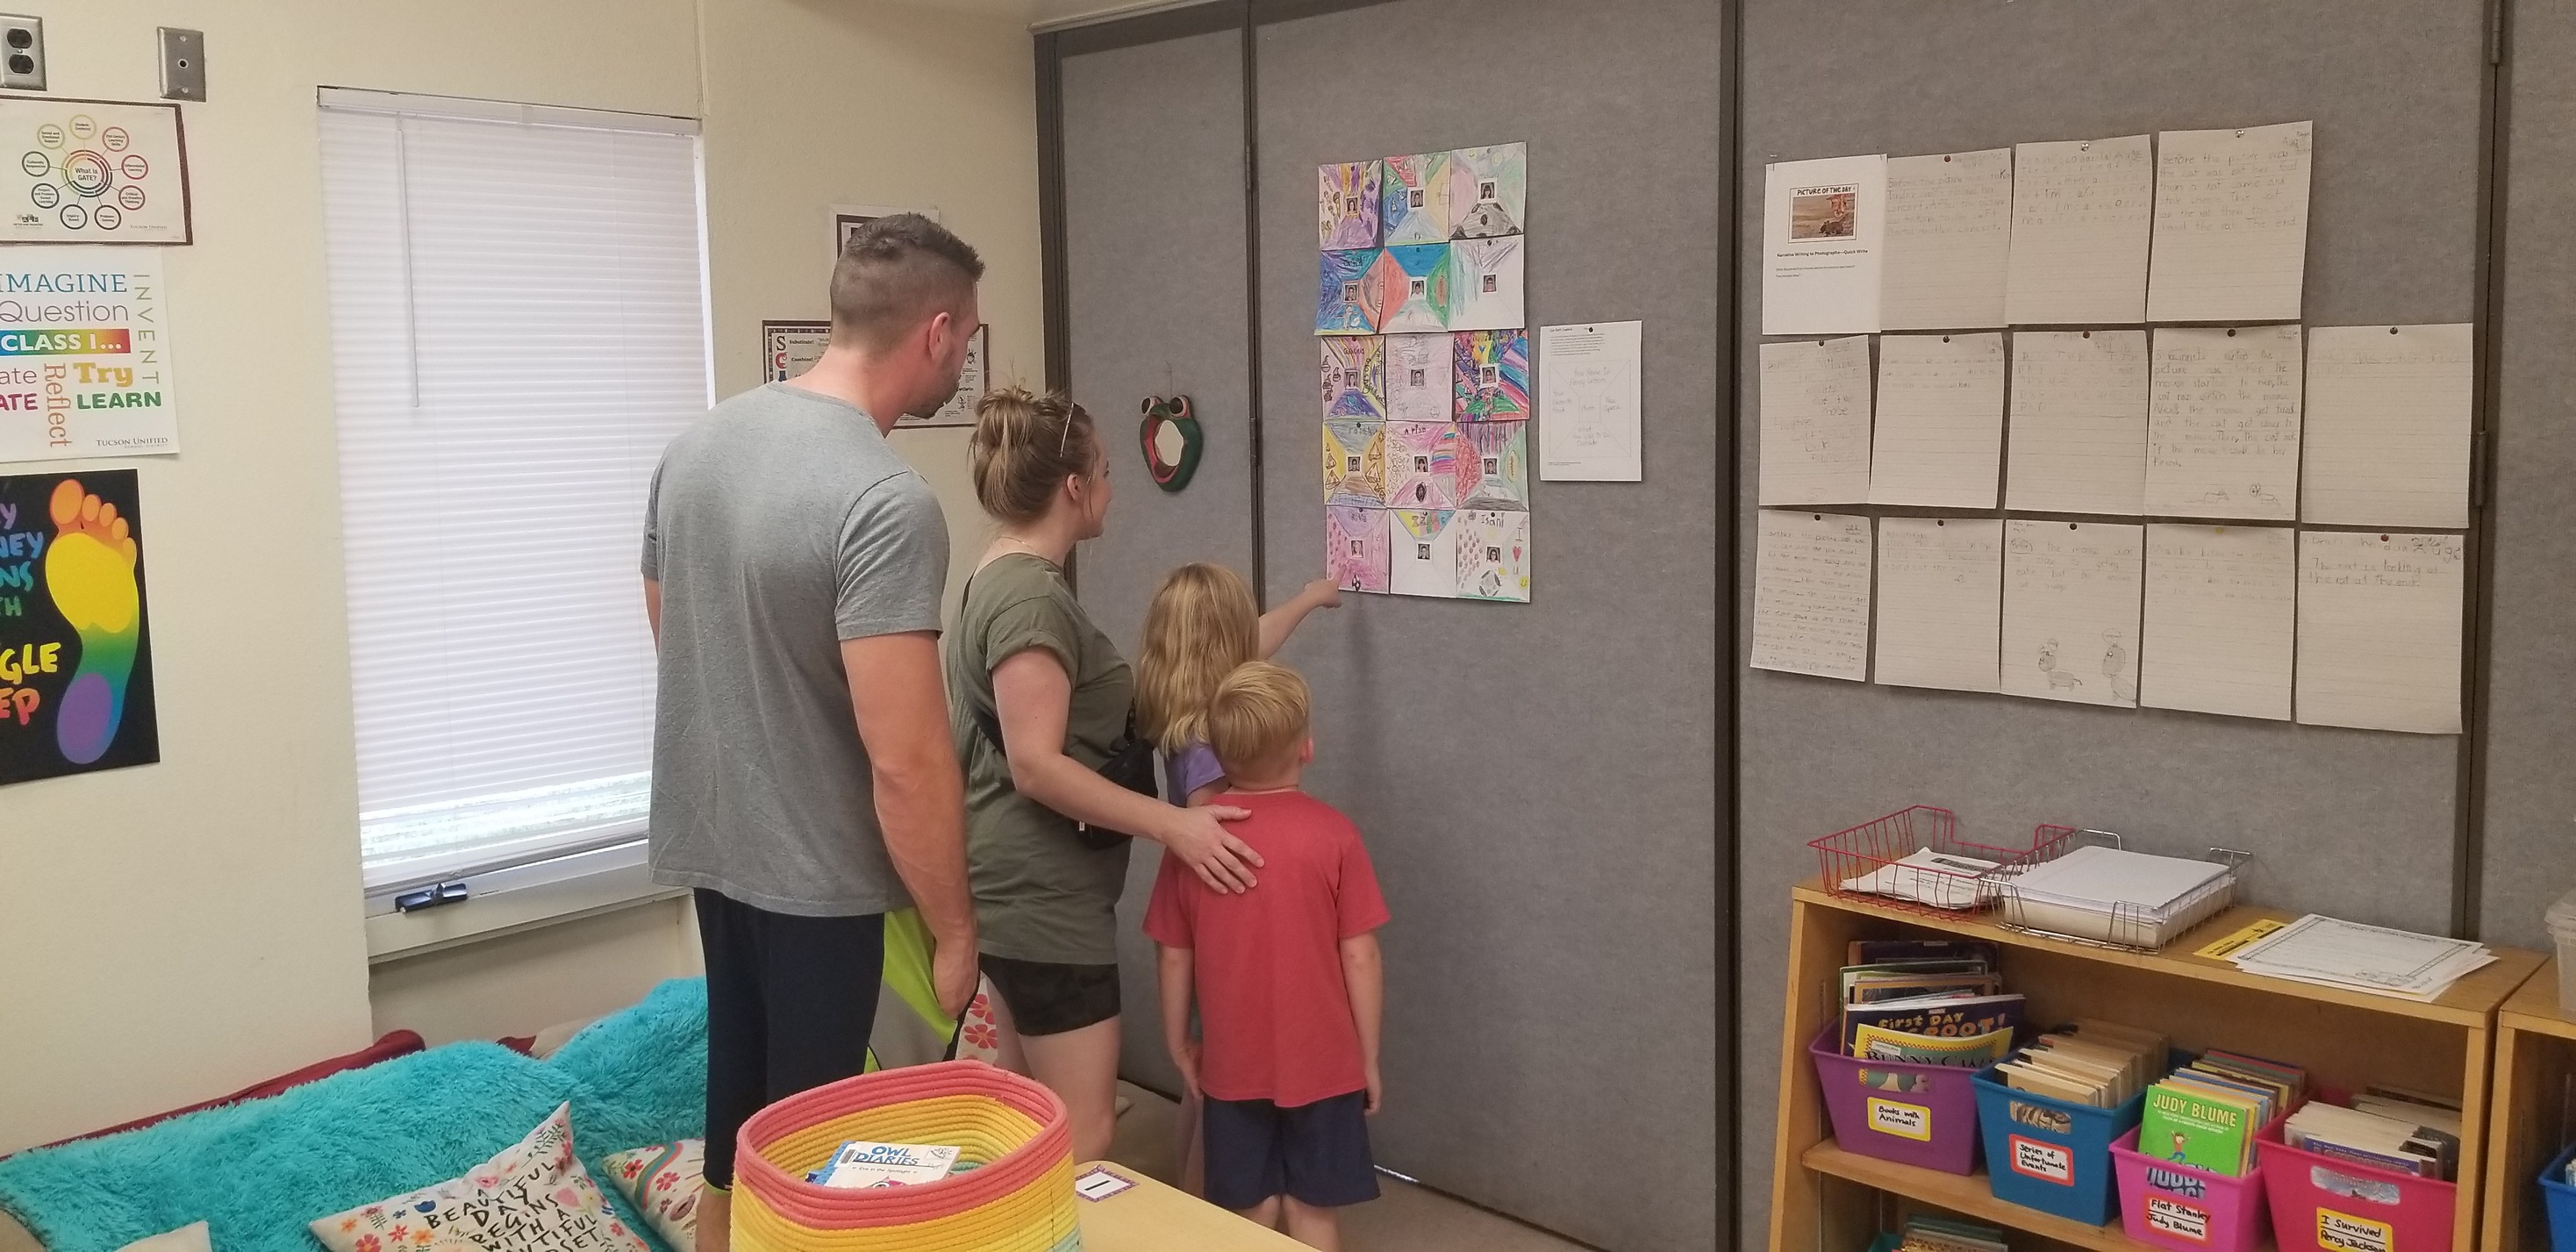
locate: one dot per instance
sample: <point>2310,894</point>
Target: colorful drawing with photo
<point>1355,547</point>
<point>1492,374</point>
<point>1354,377</point>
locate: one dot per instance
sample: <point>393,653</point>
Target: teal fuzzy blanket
<point>257,1172</point>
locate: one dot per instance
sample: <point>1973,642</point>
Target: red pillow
<point>394,1044</point>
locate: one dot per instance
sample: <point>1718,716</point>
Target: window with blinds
<point>518,326</point>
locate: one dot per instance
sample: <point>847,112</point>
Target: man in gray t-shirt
<point>804,780</point>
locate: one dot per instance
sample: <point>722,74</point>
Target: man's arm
<point>1176,970</point>
<point>653,608</point>
<point>1364,979</point>
<point>902,709</point>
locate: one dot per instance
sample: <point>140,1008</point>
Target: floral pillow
<point>662,1183</point>
<point>533,1197</point>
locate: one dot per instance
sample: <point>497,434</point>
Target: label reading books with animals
<point>1906,1121</point>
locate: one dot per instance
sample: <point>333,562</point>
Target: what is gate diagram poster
<point>91,171</point>
<point>84,354</point>
<point>75,655</point>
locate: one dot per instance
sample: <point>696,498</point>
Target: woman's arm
<point>1033,696</point>
<point>1281,622</point>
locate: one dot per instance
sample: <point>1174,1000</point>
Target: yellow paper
<point>2237,942</point>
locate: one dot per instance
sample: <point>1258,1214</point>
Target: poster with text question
<point>84,357</point>
<point>1822,227</point>
<point>92,171</point>
<point>75,655</point>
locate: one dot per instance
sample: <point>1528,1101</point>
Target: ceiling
<point>1038,12</point>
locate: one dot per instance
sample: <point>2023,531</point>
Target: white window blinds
<point>519,324</point>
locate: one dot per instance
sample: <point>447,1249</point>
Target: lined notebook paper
<point>2387,429</point>
<point>2070,628</point>
<point>1940,601</point>
<point>2379,630</point>
<point>2082,212</point>
<point>2231,224</point>
<point>2079,422</point>
<point>2223,431</point>
<point>1815,422</point>
<point>1811,594</point>
<point>1940,430</point>
<point>2220,619</point>
<point>1949,231</point>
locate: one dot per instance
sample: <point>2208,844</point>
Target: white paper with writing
<point>1811,594</point>
<point>1940,428</point>
<point>2223,430</point>
<point>2231,224</point>
<point>1949,235</point>
<point>2386,437</point>
<point>1824,224</point>
<point>2071,611</point>
<point>2221,618</point>
<point>2379,630</point>
<point>2082,211</point>
<point>1815,422</point>
<point>2079,422</point>
<point>1940,601</point>
<point>1589,426</point>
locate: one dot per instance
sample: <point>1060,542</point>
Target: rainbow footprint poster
<point>75,651</point>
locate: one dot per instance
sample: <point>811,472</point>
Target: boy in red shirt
<point>1286,976</point>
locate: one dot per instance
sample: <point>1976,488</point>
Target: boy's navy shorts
<point>1316,1153</point>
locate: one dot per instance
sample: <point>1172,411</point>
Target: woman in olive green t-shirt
<point>1025,660</point>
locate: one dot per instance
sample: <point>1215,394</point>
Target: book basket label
<point>1911,1121</point>
<point>2044,1161</point>
<point>2182,1221</point>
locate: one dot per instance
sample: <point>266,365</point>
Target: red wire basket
<point>1864,862</point>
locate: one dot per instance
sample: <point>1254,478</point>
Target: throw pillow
<point>533,1197</point>
<point>662,1183</point>
<point>189,1238</point>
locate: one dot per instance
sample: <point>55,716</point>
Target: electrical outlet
<point>22,53</point>
<point>183,64</point>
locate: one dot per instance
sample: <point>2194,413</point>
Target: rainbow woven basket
<point>1018,1198</point>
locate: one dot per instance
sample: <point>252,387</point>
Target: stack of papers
<point>1942,1234</point>
<point>2384,1130</point>
<point>2333,953</point>
<point>2117,896</point>
<point>1939,879</point>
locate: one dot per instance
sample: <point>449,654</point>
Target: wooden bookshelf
<point>2535,1057</point>
<point>1826,1200</point>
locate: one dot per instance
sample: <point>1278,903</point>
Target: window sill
<point>511,901</point>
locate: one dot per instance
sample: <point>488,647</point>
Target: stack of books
<point>1926,1002</point>
<point>1942,1234</point>
<point>2387,1127</point>
<point>2093,1063</point>
<point>2335,953</point>
<point>2208,1114</point>
<point>864,1163</point>
<point>2115,896</point>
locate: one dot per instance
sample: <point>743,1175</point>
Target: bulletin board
<point>1543,786</point>
<point>2356,823</point>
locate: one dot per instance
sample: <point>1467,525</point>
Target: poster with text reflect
<point>84,354</point>
<point>75,655</point>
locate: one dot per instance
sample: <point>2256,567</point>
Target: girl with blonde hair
<point>1201,625</point>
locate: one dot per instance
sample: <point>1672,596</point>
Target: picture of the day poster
<point>75,654</point>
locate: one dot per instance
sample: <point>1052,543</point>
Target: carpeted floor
<point>1403,1217</point>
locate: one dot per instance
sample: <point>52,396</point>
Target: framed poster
<point>847,218</point>
<point>960,409</point>
<point>92,171</point>
<point>75,650</point>
<point>788,349</point>
<point>84,354</point>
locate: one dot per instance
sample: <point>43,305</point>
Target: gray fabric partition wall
<point>2353,823</point>
<point>2530,848</point>
<point>1154,265</point>
<point>1542,784</point>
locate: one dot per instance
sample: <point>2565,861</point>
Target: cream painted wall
<point>182,929</point>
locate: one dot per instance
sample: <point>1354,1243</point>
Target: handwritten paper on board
<point>2071,611</point>
<point>2079,422</point>
<point>1949,230</point>
<point>2379,630</point>
<point>2231,241</point>
<point>2386,435</point>
<point>2082,211</point>
<point>1940,601</point>
<point>2220,619</point>
<point>2223,430</point>
<point>1939,438</point>
<point>1589,426</point>
<point>1815,422</point>
<point>1811,594</point>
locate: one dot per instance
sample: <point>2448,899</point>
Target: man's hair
<point>1257,719</point>
<point>896,273</point>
